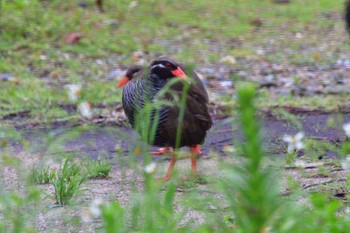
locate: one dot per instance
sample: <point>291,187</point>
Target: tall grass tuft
<point>98,169</point>
<point>67,182</point>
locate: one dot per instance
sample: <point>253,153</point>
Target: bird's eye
<point>168,65</point>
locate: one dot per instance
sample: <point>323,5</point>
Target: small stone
<point>228,59</point>
<point>115,73</point>
<point>132,4</point>
<point>299,35</point>
<point>6,77</point>
<point>282,1</point>
<point>82,4</point>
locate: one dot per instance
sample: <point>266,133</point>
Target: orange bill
<point>123,82</point>
<point>179,73</point>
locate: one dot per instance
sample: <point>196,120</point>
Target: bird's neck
<point>157,82</point>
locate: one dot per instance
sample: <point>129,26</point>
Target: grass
<point>67,182</point>
<point>98,168</point>
<point>43,176</point>
<point>244,193</point>
<point>42,63</point>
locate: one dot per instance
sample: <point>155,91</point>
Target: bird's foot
<point>164,179</point>
<point>161,151</point>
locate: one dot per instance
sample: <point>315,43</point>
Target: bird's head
<point>165,69</point>
<point>130,73</point>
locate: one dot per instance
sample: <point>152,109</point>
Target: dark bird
<point>347,15</point>
<point>99,4</point>
<point>193,120</point>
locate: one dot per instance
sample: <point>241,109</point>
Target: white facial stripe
<point>158,65</point>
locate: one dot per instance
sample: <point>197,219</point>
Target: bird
<point>347,15</point>
<point>142,86</point>
<point>130,73</point>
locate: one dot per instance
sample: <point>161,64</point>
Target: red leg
<point>170,169</point>
<point>161,151</point>
<point>195,151</point>
<point>194,165</point>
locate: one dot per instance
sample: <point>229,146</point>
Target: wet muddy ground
<point>94,140</point>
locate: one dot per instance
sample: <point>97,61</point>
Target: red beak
<point>123,82</point>
<point>179,73</point>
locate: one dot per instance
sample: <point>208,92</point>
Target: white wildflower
<point>229,149</point>
<point>260,52</point>
<point>300,163</point>
<point>42,57</point>
<point>151,168</point>
<point>132,4</point>
<point>346,128</point>
<point>95,208</point>
<point>74,92</point>
<point>294,142</point>
<point>345,163</point>
<point>85,109</point>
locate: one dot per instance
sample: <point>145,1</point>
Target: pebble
<point>7,77</point>
<point>115,74</point>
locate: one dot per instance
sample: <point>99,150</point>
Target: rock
<point>115,74</point>
<point>268,83</point>
<point>82,4</point>
<point>344,107</point>
<point>226,83</point>
<point>228,59</point>
<point>6,77</point>
<point>282,1</point>
<point>336,90</point>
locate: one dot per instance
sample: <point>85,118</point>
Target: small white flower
<point>294,142</point>
<point>347,210</point>
<point>95,208</point>
<point>42,57</point>
<point>85,109</point>
<point>132,4</point>
<point>345,163</point>
<point>151,168</point>
<point>260,52</point>
<point>346,128</point>
<point>300,163</point>
<point>74,92</point>
<point>229,149</point>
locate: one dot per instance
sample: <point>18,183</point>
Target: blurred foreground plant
<point>250,189</point>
